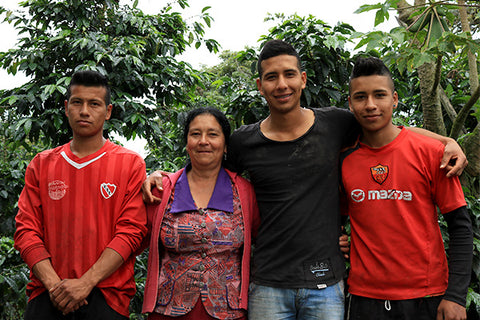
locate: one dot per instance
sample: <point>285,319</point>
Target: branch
<point>446,104</point>
<point>462,115</point>
<point>472,61</point>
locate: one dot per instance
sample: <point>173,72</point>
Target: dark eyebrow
<point>284,71</point>
<point>269,74</point>
<point>375,91</point>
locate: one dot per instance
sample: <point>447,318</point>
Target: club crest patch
<point>57,189</point>
<point>107,189</point>
<point>379,173</point>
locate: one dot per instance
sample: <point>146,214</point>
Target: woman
<point>198,266</point>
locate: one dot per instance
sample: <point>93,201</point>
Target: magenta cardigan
<point>251,220</point>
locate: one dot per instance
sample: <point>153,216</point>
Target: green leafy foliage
<point>137,51</point>
<point>13,279</point>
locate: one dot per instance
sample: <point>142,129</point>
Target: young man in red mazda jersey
<point>81,215</point>
<point>394,186</point>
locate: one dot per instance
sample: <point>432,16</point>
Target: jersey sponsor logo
<point>57,189</point>
<point>107,189</point>
<point>358,195</point>
<point>379,173</point>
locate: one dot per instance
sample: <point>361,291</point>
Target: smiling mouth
<point>285,96</point>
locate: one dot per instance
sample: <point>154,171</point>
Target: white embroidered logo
<point>57,189</point>
<point>107,189</point>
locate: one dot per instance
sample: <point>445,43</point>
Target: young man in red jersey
<point>393,186</point>
<point>81,215</point>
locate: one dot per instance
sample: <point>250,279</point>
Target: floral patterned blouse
<point>202,249</point>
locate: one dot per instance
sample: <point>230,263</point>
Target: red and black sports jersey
<point>393,193</point>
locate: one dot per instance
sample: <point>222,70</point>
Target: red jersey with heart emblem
<point>72,208</point>
<point>392,196</point>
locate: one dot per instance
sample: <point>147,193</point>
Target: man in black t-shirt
<point>292,160</point>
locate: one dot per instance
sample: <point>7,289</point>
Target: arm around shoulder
<point>454,159</point>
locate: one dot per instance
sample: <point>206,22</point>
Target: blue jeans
<point>302,304</point>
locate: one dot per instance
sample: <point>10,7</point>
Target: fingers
<point>154,180</point>
<point>455,167</point>
<point>453,160</point>
<point>68,295</point>
<point>344,245</point>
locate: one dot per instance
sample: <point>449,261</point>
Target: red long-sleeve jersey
<point>72,208</point>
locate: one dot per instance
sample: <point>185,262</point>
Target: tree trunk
<point>431,104</point>
<point>472,143</point>
<point>472,150</point>
<point>472,60</point>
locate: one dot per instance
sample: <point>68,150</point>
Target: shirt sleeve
<point>29,237</point>
<point>130,228</point>
<point>351,129</point>
<point>443,185</point>
<point>460,255</point>
<point>233,162</point>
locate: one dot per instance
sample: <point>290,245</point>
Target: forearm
<point>44,271</point>
<point>454,159</point>
<point>430,134</point>
<point>107,264</point>
<point>460,255</point>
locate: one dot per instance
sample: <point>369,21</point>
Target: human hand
<point>454,160</point>
<point>153,180</point>
<point>70,294</point>
<point>449,310</point>
<point>344,243</point>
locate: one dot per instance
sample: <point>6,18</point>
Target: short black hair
<point>275,48</point>
<point>219,115</point>
<point>368,67</point>
<point>90,78</point>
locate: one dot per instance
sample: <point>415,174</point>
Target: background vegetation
<point>433,55</point>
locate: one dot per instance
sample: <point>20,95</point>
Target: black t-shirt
<point>296,184</point>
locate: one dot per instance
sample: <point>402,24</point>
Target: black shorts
<point>361,308</point>
<point>41,308</point>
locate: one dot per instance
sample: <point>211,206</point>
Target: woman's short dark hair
<point>219,115</point>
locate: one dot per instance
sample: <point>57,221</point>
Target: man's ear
<point>66,108</point>
<point>259,86</point>
<point>109,112</point>
<point>350,104</point>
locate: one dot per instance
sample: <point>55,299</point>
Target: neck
<point>202,183</point>
<point>378,139</point>
<point>287,126</point>
<point>203,175</point>
<point>82,147</point>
